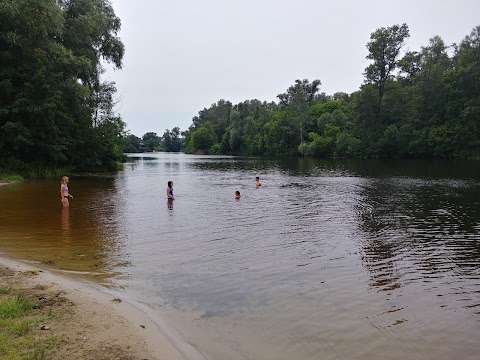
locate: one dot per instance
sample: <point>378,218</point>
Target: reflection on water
<point>82,237</point>
<point>65,220</point>
<point>327,259</point>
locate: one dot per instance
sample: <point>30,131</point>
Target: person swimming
<point>257,182</point>
<point>170,191</point>
<point>237,195</point>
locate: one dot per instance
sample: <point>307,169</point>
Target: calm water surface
<point>327,260</point>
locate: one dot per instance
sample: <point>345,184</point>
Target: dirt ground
<point>89,330</point>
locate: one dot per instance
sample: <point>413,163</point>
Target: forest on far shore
<point>414,104</point>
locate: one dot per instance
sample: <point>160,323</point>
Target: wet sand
<point>103,323</point>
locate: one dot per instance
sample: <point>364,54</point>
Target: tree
<point>203,139</point>
<point>236,130</point>
<point>52,100</point>
<point>463,84</point>
<point>297,101</point>
<point>132,144</point>
<point>410,65</point>
<point>280,135</point>
<point>384,50</point>
<point>432,93</point>
<point>299,93</point>
<point>151,141</point>
<point>171,140</point>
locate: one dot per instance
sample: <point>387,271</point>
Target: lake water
<point>326,260</point>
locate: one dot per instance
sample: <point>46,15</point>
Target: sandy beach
<point>94,323</point>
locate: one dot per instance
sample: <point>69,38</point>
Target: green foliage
<point>11,178</point>
<point>151,141</point>
<point>323,145</point>
<point>203,139</point>
<point>132,144</point>
<point>300,94</point>
<point>425,103</point>
<point>347,146</point>
<point>215,149</point>
<point>280,135</point>
<point>328,107</point>
<point>384,50</point>
<point>14,307</point>
<point>54,108</point>
<point>40,172</point>
<point>172,141</point>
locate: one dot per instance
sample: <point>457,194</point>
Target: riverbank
<point>8,179</point>
<point>72,319</point>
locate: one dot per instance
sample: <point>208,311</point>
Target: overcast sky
<point>183,56</point>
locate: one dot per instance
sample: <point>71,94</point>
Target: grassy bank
<point>47,317</point>
<point>25,315</point>
<point>10,178</point>
<point>43,173</point>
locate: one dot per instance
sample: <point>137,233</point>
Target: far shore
<point>99,323</point>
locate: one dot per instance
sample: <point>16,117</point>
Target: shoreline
<point>106,320</point>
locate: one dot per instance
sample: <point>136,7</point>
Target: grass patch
<point>5,290</point>
<point>15,307</point>
<point>33,172</point>
<point>10,178</point>
<point>20,319</point>
<point>12,308</point>
<point>40,173</point>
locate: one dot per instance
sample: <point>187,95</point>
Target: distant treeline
<point>170,141</point>
<point>55,112</point>
<point>417,104</point>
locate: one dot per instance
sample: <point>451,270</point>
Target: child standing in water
<point>64,194</point>
<point>237,195</point>
<point>257,182</point>
<point>170,191</point>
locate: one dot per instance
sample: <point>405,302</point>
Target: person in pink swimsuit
<point>64,194</point>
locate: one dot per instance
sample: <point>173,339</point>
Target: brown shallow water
<point>327,260</point>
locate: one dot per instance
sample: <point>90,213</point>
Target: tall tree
<point>171,140</point>
<point>384,50</point>
<point>151,141</point>
<point>297,101</point>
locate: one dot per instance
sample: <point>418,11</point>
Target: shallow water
<point>327,260</point>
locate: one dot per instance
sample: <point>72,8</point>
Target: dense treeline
<point>55,111</point>
<point>422,103</point>
<point>170,141</point>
